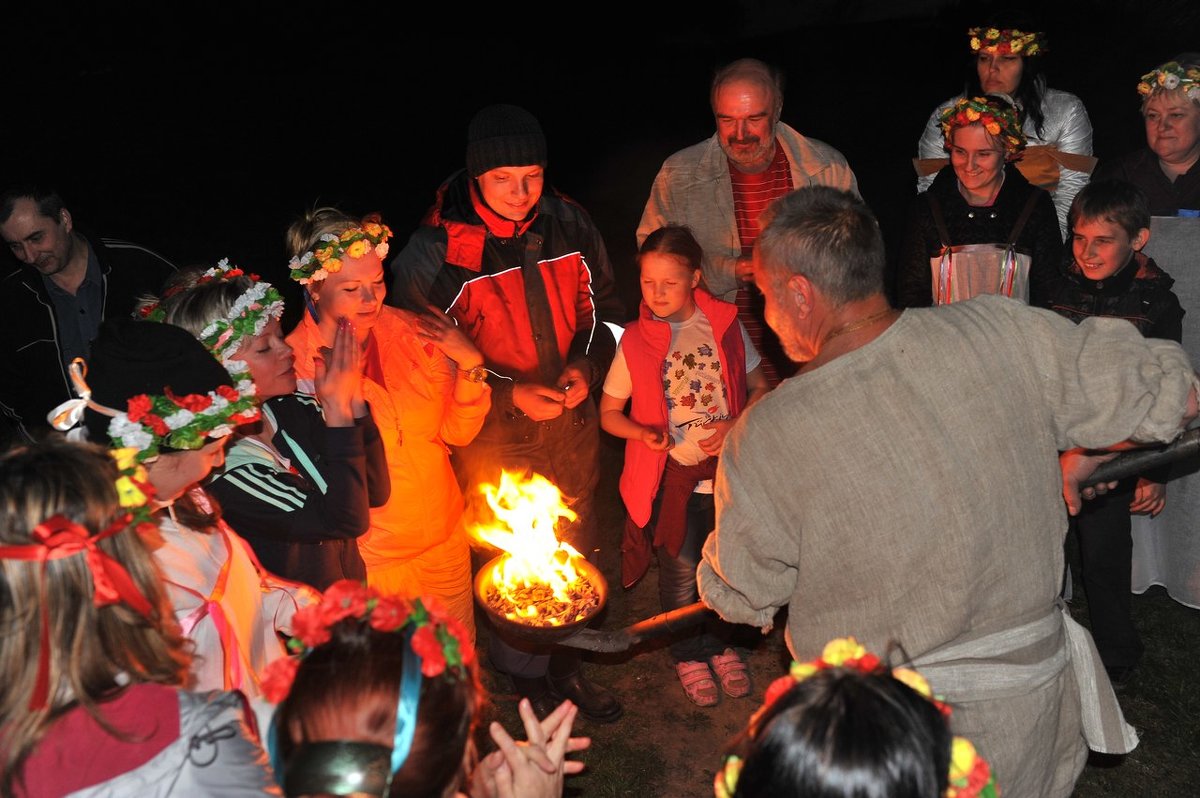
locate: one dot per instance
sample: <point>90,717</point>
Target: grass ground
<point>665,746</point>
<point>1162,701</point>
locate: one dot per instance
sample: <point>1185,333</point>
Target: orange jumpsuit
<point>416,543</point>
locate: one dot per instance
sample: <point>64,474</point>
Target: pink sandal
<point>698,683</point>
<point>731,670</point>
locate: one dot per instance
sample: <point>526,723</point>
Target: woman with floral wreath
<point>1167,169</point>
<point>425,383</point>
<point>981,228</point>
<point>1006,58</point>
<point>153,389</point>
<point>298,486</point>
<point>93,695</point>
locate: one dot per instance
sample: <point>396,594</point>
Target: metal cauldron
<point>536,633</point>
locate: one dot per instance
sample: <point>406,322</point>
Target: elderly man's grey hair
<point>829,236</point>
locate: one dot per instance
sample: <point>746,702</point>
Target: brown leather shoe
<point>595,703</point>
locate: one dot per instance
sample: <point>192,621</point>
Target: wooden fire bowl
<point>535,633</point>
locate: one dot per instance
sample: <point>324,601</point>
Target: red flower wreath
<point>438,639</point>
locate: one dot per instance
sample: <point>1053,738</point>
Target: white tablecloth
<point>1166,549</point>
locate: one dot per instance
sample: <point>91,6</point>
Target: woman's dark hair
<point>842,733</point>
<point>1031,90</point>
<point>677,240</point>
<point>347,689</point>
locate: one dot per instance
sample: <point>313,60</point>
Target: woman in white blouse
<point>1006,58</point>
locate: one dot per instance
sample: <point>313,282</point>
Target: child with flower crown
<point>383,698</point>
<point>687,368</point>
<point>299,486</point>
<point>155,389</point>
<point>92,694</point>
<point>425,383</point>
<point>847,726</point>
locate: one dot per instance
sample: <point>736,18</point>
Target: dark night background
<point>201,131</point>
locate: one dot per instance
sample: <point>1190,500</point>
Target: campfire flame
<point>527,511</point>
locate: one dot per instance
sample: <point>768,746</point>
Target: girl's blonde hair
<point>93,651</point>
<point>303,234</point>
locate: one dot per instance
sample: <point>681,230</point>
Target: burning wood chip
<point>536,605</point>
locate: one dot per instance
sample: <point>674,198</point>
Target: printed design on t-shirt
<point>692,380</point>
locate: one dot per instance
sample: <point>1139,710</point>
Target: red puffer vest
<point>645,344</point>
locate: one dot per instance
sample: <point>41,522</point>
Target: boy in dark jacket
<point>1109,276</point>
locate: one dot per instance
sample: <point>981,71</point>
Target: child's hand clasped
<point>534,768</point>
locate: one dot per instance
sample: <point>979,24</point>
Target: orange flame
<point>527,512</point>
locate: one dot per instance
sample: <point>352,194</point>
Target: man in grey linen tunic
<point>910,491</point>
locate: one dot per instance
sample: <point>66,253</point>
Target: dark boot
<point>595,702</point>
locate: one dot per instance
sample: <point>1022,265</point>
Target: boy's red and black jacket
<point>475,269</point>
<point>1140,292</point>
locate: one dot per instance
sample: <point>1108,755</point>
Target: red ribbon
<point>59,537</point>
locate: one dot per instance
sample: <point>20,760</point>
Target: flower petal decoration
<point>345,598</point>
<point>440,641</point>
<point>277,678</point>
<point>324,258</point>
<point>1006,41</point>
<point>999,120</point>
<point>1168,77</point>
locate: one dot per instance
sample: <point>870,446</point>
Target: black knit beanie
<point>132,357</point>
<point>504,135</point>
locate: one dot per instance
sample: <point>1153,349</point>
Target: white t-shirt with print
<point>692,381</point>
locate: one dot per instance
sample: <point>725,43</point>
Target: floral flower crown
<point>439,645</point>
<point>1003,123</point>
<point>438,639</point>
<point>1170,76</point>
<point>182,422</point>
<point>970,774</point>
<point>134,490</point>
<point>249,316</point>
<point>151,420</point>
<point>324,257</point>
<point>1006,41</point>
